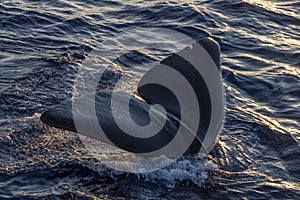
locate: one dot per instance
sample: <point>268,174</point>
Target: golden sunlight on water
<point>275,7</point>
<point>42,46</point>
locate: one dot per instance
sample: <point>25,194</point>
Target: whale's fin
<point>187,84</point>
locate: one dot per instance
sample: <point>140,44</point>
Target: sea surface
<point>45,44</point>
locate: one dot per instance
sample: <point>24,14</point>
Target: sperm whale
<point>178,108</point>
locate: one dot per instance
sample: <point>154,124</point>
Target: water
<point>43,45</point>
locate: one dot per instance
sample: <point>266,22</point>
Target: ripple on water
<point>43,44</point>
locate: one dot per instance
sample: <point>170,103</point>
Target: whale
<point>178,108</point>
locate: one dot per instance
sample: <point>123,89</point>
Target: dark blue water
<point>43,45</point>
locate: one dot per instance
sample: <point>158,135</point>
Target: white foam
<point>192,169</point>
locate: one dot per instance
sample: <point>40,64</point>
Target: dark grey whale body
<point>208,91</point>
